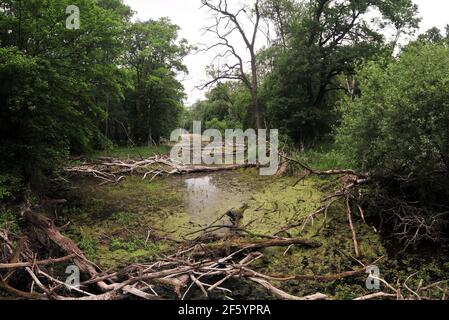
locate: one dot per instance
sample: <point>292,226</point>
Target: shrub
<point>398,130</point>
<point>10,186</point>
<point>400,124</point>
<point>9,221</point>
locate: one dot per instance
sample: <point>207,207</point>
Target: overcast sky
<point>187,14</point>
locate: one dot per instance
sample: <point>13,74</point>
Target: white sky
<point>187,14</point>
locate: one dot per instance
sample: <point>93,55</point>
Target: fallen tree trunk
<point>67,245</point>
<point>325,172</point>
<point>113,171</point>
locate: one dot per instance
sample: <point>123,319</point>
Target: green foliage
<point>324,158</point>
<point>88,244</point>
<point>10,185</point>
<point>399,124</point>
<point>51,78</point>
<point>134,245</point>
<point>434,35</point>
<point>311,63</point>
<point>9,221</point>
<point>70,91</point>
<point>309,68</point>
<point>154,103</point>
<point>226,107</point>
<point>398,131</point>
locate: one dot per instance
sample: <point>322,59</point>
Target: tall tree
<point>227,23</point>
<point>155,58</point>
<point>327,40</point>
<point>51,78</point>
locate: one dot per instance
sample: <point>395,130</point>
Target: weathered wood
<point>317,278</point>
<point>114,170</point>
<point>18,265</point>
<point>375,295</point>
<point>284,295</point>
<point>20,293</point>
<point>69,246</point>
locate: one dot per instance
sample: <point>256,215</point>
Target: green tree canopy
<point>323,41</point>
<point>399,125</point>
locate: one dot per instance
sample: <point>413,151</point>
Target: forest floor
<point>140,221</point>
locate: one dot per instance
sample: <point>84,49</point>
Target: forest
<point>92,206</point>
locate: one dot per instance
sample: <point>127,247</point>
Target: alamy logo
<point>73,20</point>
<point>73,280</point>
<point>237,147</point>
<point>372,282</point>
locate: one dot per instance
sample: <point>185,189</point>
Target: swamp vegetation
<point>359,207</point>
<point>138,222</point>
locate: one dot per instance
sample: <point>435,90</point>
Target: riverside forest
<point>94,207</point>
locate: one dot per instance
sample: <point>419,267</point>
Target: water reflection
<point>203,197</point>
<point>205,200</point>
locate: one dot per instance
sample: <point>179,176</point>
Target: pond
<point>172,207</point>
<point>138,221</point>
<point>207,198</point>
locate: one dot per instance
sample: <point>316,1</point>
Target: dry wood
<point>375,295</point>
<point>351,226</point>
<point>284,295</point>
<point>17,265</point>
<point>239,245</point>
<point>326,172</point>
<point>66,244</point>
<point>115,170</point>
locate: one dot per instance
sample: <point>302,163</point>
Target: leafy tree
<point>434,35</point>
<point>227,103</point>
<point>398,128</point>
<point>68,90</point>
<point>154,102</point>
<point>325,40</point>
<point>51,78</point>
<point>398,131</point>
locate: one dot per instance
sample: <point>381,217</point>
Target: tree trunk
<point>254,100</point>
<point>106,129</point>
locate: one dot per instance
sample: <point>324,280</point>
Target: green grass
<point>134,152</point>
<point>323,158</point>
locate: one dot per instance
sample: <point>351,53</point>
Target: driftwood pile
<point>195,265</point>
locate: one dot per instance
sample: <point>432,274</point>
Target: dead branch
<point>375,296</point>
<point>284,295</point>
<point>239,245</point>
<point>18,265</point>
<point>351,226</point>
<point>361,176</point>
<point>115,170</point>
<point>227,22</point>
